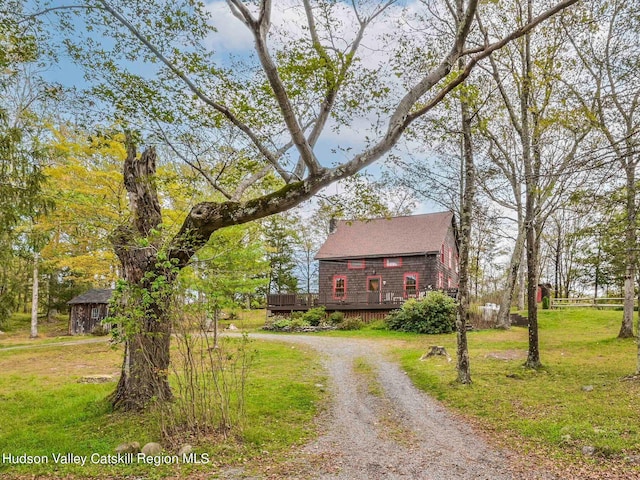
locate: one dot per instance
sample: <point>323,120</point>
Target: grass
<point>16,331</point>
<point>245,319</point>
<point>548,408</point>
<point>369,374</point>
<point>45,411</point>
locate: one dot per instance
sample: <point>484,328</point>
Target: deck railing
<point>310,300</point>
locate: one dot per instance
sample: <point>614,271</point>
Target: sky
<point>233,40</point>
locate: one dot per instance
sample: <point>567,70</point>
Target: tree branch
<point>216,106</point>
<point>488,51</point>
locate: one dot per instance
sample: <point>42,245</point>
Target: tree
<point>292,98</point>
<point>466,211</point>
<point>22,156</point>
<point>229,267</point>
<point>84,182</point>
<point>610,69</point>
<point>280,237</point>
<point>547,133</point>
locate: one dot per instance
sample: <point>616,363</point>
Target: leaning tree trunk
<point>146,327</point>
<point>504,320</point>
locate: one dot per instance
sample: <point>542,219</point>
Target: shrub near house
<point>434,314</point>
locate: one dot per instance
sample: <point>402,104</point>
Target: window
<point>410,284</point>
<point>457,264</point>
<point>339,287</point>
<point>393,262</point>
<point>440,280</point>
<point>450,258</point>
<point>442,254</point>
<point>449,282</point>
<point>355,264</point>
<point>95,313</point>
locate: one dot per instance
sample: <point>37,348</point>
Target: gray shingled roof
<point>416,234</point>
<point>92,296</point>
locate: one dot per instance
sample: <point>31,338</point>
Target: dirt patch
<point>401,434</point>
<point>508,355</point>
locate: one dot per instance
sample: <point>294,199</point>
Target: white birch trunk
<point>34,298</point>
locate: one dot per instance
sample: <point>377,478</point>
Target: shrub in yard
<point>336,318</point>
<point>353,323</point>
<point>99,331</point>
<point>298,323</point>
<point>281,323</point>
<point>433,314</point>
<point>546,303</point>
<point>378,325</point>
<point>314,316</point>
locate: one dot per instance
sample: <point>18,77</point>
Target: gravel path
<point>379,426</point>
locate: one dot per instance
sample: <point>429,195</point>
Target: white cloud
<point>289,22</point>
<point>232,36</point>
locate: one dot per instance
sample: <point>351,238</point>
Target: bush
<point>336,318</point>
<point>378,325</point>
<point>353,323</point>
<point>433,314</point>
<point>281,323</point>
<point>315,316</point>
<point>299,323</point>
<point>99,330</point>
<point>546,303</point>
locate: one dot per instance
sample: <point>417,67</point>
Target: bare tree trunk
<point>626,329</point>
<point>531,172</point>
<point>34,298</point>
<point>466,210</point>
<point>504,320</point>
<point>522,281</point>
<point>558,266</point>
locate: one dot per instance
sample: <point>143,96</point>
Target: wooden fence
<point>588,302</point>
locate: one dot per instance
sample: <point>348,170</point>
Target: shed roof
<point>96,295</point>
<point>416,234</point>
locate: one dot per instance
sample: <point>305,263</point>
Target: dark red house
<point>375,265</point>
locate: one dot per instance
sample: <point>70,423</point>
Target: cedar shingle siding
<point>358,253</point>
<point>417,240</point>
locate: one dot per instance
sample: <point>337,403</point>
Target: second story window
<point>393,262</point>
<point>356,264</point>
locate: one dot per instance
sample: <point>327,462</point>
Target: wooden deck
<point>292,302</point>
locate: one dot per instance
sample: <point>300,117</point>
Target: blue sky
<point>233,39</point>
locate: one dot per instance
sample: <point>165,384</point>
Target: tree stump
<point>436,350</point>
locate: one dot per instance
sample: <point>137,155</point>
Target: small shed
<point>88,310</point>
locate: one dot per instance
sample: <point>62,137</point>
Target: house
<point>372,267</point>
<point>88,310</point>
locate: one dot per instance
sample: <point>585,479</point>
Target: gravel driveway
<point>379,426</point>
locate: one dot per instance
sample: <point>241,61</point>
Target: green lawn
<point>579,398</point>
<point>45,411</point>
